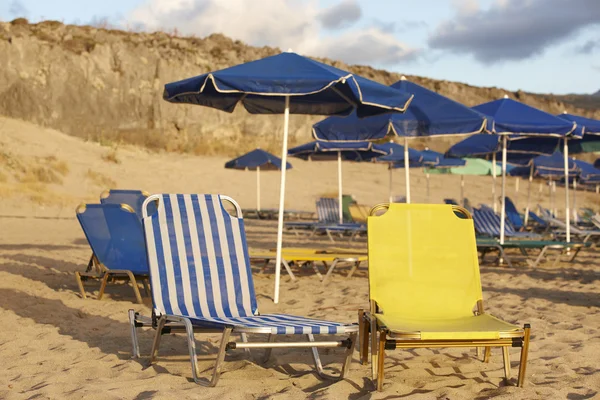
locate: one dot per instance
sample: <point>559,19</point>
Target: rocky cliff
<point>106,85</point>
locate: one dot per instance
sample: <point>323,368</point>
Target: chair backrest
<point>198,257</point>
<point>451,202</point>
<point>359,212</point>
<point>328,210</point>
<point>487,222</point>
<point>133,198</point>
<point>536,218</point>
<point>512,214</point>
<point>423,261</point>
<point>115,235</point>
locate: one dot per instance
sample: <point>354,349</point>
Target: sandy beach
<point>56,345</point>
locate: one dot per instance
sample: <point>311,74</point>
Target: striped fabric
<point>488,223</point>
<point>328,210</point>
<point>199,268</point>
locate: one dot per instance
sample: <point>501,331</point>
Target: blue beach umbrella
<point>398,156</point>
<point>429,114</point>
<point>550,167</point>
<point>519,152</point>
<point>283,84</point>
<point>514,120</point>
<point>591,134</point>
<point>257,160</point>
<point>331,151</point>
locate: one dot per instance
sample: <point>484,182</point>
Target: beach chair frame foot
<point>104,277</point>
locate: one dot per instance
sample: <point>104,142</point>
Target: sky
<point>543,46</point>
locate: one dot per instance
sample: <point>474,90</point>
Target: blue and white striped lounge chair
<point>328,212</point>
<point>201,280</point>
<point>487,223</point>
<point>115,235</point>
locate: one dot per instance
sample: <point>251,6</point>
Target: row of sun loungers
<point>198,262</point>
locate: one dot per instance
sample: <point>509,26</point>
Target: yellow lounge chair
<point>359,212</point>
<point>425,288</point>
<point>311,257</point>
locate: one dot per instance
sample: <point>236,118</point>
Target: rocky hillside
<point>106,85</point>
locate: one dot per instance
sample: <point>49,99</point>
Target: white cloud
<point>299,25</point>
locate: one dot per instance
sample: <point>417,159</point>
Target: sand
<point>54,344</point>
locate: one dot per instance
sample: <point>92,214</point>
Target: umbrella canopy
<point>287,83</point>
<point>350,151</point>
<point>256,160</point>
<point>440,160</point>
<point>591,138</point>
<point>519,152</point>
<point>587,172</point>
<point>516,119</point>
<point>429,114</point>
<point>549,167</point>
<point>263,85</point>
<point>472,166</point>
<point>396,154</point>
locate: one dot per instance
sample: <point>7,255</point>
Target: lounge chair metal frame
<point>103,274</point>
<point>168,323</point>
<point>382,338</point>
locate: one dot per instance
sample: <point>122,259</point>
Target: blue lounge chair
<point>133,198</point>
<point>328,212</point>
<point>512,214</point>
<point>202,281</point>
<point>115,235</point>
<point>487,223</point>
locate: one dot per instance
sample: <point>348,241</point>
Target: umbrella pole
<point>494,200</point>
<point>597,189</point>
<point>257,188</point>
<point>286,126</point>
<point>407,169</point>
<point>427,177</point>
<point>529,194</point>
<point>568,220</point>
<point>517,190</point>
<point>575,201</point>
<point>390,173</point>
<point>462,189</point>
<point>554,207</point>
<point>341,212</point>
<point>503,209</point>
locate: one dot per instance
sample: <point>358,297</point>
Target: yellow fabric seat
<point>424,285</point>
<point>483,326</point>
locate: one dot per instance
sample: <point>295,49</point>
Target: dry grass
<point>99,179</point>
<point>43,170</point>
<point>111,156</point>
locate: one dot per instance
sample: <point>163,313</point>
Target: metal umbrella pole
<point>286,124</point>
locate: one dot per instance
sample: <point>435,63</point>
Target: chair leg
<point>347,358</point>
<point>267,354</point>
<point>146,284</point>
<point>374,347</point>
<point>156,343</point>
<point>506,359</point>
<point>524,354</point>
<point>134,339</point>
<point>363,330</point>
<point>244,337</point>
<point>353,269</point>
<point>80,284</point>
<point>136,289</point>
<point>486,354</point>
<point>478,352</point>
<point>103,285</point>
<point>194,358</point>
<point>330,270</point>
<point>381,359</point>
<point>540,257</point>
<point>288,269</point>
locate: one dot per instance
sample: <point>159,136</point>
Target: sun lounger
<point>202,282</point>
<point>424,284</point>
<point>312,257</point>
<point>584,235</point>
<point>133,198</point>
<point>512,214</point>
<point>485,245</point>
<point>487,223</point>
<point>115,235</point>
